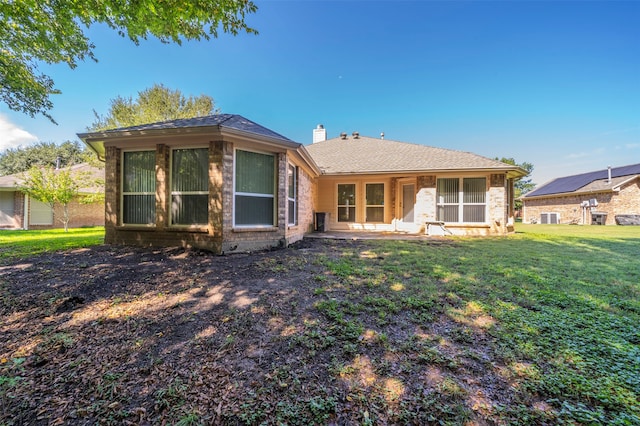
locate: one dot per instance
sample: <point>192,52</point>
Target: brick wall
<point>240,240</point>
<point>112,193</point>
<point>498,204</point>
<point>79,215</point>
<point>219,236</point>
<point>305,198</point>
<point>160,234</point>
<point>163,192</point>
<point>627,201</point>
<point>18,206</point>
<point>425,209</point>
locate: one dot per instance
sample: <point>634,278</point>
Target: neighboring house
<point>225,183</point>
<point>20,211</point>
<point>590,198</point>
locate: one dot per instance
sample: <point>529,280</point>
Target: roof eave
<point>568,194</point>
<point>272,141</point>
<point>517,173</point>
<point>95,140</point>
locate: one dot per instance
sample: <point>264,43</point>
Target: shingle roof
<point>9,181</point>
<point>586,182</point>
<point>230,121</point>
<point>92,173</point>
<point>373,155</point>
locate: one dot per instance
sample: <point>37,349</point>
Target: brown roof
<point>372,155</point>
<point>9,181</point>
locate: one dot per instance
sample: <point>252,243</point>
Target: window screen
<point>255,180</point>
<point>190,186</point>
<point>375,202</point>
<point>139,188</point>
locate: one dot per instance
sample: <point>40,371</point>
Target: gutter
<point>518,172</point>
<point>568,194</point>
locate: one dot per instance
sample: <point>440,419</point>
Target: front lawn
<point>20,244</point>
<point>540,327</point>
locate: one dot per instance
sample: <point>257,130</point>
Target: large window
<point>292,195</point>
<point>190,186</point>
<point>255,189</point>
<point>375,202</point>
<point>346,202</point>
<point>474,199</point>
<point>139,188</point>
<point>462,198</point>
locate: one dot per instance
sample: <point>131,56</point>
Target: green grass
<point>19,244</point>
<point>559,304</point>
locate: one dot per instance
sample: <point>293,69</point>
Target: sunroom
<point>221,183</point>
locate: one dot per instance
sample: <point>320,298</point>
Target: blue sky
<point>556,84</point>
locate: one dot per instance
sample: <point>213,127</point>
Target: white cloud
<point>586,154</point>
<point>12,136</point>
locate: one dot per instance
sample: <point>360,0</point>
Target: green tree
<point>33,32</point>
<point>157,103</point>
<point>52,187</point>
<point>522,185</point>
<point>16,160</point>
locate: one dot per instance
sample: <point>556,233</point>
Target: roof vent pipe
<point>343,136</point>
<point>355,135</point>
<point>608,174</point>
<point>382,135</point>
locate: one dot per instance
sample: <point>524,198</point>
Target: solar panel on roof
<point>575,182</point>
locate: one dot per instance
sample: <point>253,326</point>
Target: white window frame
<point>292,175</point>
<point>123,193</point>
<point>255,194</point>
<point>367,205</point>
<point>172,192</point>
<point>461,204</point>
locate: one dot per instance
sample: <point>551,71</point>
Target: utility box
<point>598,218</point>
<point>322,221</point>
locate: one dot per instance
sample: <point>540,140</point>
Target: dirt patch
<point>121,335</point>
